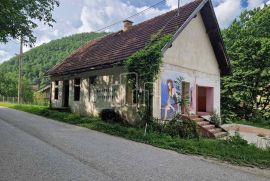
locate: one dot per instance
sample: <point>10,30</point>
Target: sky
<point>77,16</point>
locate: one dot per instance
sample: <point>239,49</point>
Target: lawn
<point>231,150</point>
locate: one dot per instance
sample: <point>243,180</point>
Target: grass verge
<point>248,155</point>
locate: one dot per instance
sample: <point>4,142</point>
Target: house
<point>93,78</point>
<point>46,92</point>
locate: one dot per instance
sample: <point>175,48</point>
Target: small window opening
<point>56,90</point>
<point>77,89</point>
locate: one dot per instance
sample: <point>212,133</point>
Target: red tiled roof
<point>118,46</point>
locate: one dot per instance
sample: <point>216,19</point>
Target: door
<point>201,99</point>
<point>66,93</point>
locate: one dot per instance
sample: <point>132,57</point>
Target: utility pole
<point>20,75</point>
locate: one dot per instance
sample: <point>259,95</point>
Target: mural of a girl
<point>172,106</point>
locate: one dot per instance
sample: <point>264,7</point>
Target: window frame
<point>56,90</point>
<point>77,89</point>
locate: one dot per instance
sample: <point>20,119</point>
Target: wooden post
<point>20,75</point>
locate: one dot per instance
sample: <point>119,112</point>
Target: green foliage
<point>246,94</point>
<point>234,151</point>
<point>8,86</point>
<point>110,115</point>
<point>146,63</point>
<point>39,60</point>
<point>236,140</point>
<point>40,99</point>
<point>182,101</point>
<point>179,126</point>
<point>215,119</point>
<point>20,18</point>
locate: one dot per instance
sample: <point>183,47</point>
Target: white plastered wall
<point>192,57</point>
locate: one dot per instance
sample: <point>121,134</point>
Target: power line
<point>132,16</point>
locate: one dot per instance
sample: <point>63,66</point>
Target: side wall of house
<point>191,57</point>
<point>108,92</point>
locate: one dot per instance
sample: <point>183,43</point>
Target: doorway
<point>66,93</point>
<point>205,100</point>
<point>201,99</point>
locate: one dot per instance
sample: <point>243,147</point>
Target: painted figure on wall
<point>169,100</point>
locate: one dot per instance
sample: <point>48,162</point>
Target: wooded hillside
<point>40,59</point>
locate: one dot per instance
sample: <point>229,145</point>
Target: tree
<point>8,87</point>
<point>246,94</point>
<point>18,18</point>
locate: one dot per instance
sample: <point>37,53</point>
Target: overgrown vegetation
<point>146,63</point>
<point>215,119</point>
<point>9,87</point>
<point>180,126</point>
<point>246,94</point>
<point>227,150</point>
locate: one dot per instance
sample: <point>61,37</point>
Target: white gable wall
<point>192,57</point>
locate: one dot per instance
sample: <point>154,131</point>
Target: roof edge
<point>197,10</point>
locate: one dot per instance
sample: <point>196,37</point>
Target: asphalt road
<point>36,148</point>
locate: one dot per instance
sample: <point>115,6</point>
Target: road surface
<point>36,148</point>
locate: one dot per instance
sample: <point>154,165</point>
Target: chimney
<point>127,25</point>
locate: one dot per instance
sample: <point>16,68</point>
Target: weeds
<point>233,150</point>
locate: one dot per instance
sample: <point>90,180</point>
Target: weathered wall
<point>192,57</point>
<point>58,102</point>
<point>109,92</point>
<point>193,50</point>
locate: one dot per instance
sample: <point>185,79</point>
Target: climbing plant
<point>146,63</point>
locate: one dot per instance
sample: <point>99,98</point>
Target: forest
<point>245,94</point>
<point>37,61</point>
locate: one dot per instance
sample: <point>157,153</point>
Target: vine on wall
<point>146,63</point>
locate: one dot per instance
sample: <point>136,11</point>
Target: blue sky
<point>76,16</point>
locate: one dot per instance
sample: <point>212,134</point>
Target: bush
<point>236,140</point>
<point>110,115</point>
<point>215,119</point>
<point>179,126</point>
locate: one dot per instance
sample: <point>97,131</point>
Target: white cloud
<point>4,55</point>
<point>90,15</point>
<point>173,4</point>
<point>254,3</point>
<point>100,13</point>
<point>227,11</point>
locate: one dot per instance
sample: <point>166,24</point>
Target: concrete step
<point>209,126</point>
<point>220,134</point>
<point>215,130</point>
<point>202,123</point>
<point>193,116</point>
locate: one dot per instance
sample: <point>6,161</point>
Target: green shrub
<point>179,126</point>
<point>215,119</point>
<point>236,140</point>
<point>110,115</point>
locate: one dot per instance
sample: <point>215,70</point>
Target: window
<point>56,90</point>
<point>131,95</point>
<point>77,89</point>
<point>92,82</point>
